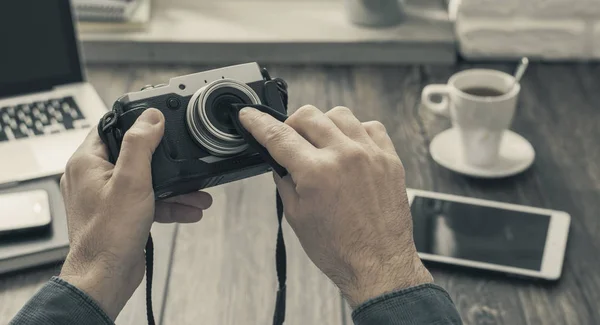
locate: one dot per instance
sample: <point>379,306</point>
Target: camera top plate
<point>187,85</point>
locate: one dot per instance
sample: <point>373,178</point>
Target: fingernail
<point>151,116</point>
<point>246,111</point>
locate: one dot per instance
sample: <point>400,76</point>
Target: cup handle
<point>441,108</point>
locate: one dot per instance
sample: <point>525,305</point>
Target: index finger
<point>284,144</point>
<point>91,155</point>
<point>93,145</point>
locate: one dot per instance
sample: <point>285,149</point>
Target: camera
<point>200,147</point>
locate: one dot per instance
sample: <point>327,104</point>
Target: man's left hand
<point>110,210</point>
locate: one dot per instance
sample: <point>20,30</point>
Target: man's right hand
<point>345,198</point>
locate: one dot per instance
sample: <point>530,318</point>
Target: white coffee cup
<point>480,120</point>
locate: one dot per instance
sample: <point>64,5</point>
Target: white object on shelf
<point>542,29</point>
<point>138,21</point>
<point>453,6</point>
<point>105,10</point>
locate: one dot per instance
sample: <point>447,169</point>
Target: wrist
<point>107,285</point>
<point>395,274</point>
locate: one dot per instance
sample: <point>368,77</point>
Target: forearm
<point>58,302</point>
<point>421,305</point>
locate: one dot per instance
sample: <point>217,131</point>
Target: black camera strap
<point>281,266</point>
<point>149,250</point>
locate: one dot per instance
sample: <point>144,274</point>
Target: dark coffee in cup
<point>483,92</point>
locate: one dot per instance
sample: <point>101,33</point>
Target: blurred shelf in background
<point>291,31</point>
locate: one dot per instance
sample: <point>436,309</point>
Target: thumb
<point>138,145</point>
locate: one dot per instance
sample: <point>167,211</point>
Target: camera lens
<point>208,116</point>
<point>218,112</point>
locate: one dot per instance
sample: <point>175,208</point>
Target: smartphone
<point>509,238</point>
<point>24,213</point>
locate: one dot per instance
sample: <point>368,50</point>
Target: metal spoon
<point>520,72</point>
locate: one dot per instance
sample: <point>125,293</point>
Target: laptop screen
<point>38,47</point>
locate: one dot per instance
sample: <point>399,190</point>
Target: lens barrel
<point>208,118</point>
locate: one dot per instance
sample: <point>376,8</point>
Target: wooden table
<point>223,269</point>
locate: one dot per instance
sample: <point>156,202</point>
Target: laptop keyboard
<point>40,118</point>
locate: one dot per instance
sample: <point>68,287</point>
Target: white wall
<point>548,29</point>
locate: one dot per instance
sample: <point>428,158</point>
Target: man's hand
<point>110,210</point>
<point>345,198</point>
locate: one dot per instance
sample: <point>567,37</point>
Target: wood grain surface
<point>223,269</point>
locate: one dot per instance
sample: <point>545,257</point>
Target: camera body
<point>200,147</point>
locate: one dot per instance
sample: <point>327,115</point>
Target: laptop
<point>46,106</point>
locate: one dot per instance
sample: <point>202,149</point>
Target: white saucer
<point>516,155</point>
